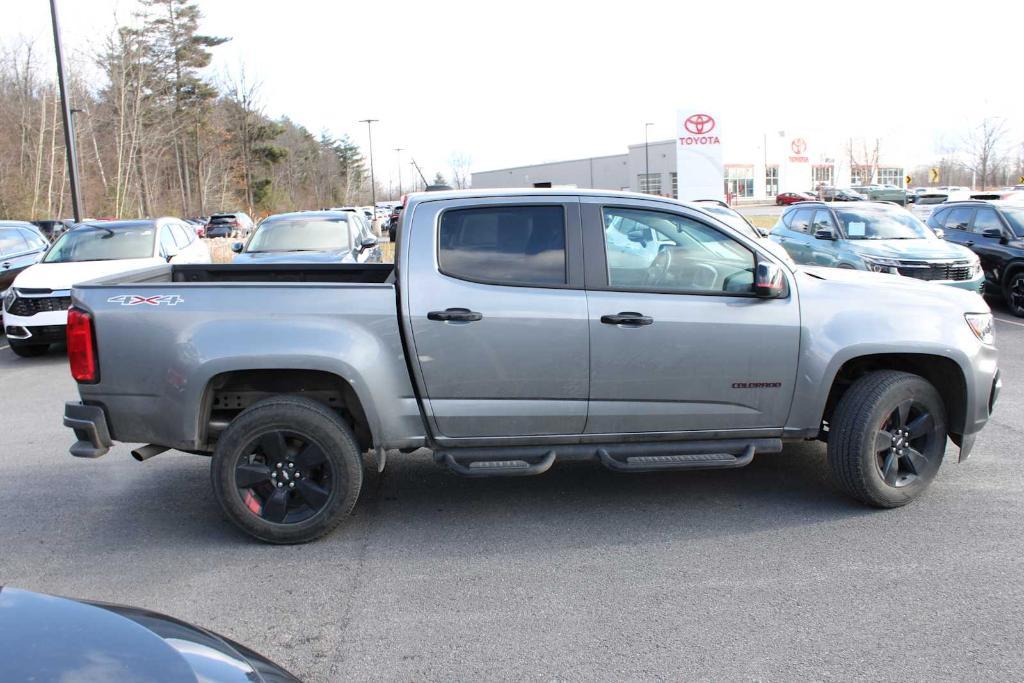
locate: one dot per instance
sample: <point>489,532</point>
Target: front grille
<point>26,307</point>
<point>960,270</point>
<point>49,334</point>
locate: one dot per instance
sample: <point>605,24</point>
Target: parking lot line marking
<point>1008,322</point>
<point>4,347</point>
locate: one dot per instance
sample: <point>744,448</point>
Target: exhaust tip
<point>144,453</point>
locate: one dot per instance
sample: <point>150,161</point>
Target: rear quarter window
<point>515,245</point>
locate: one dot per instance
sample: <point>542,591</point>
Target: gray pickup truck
<point>518,329</point>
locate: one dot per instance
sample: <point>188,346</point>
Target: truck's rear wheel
<point>287,470</point>
<point>887,437</point>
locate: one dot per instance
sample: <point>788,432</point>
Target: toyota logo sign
<point>699,124</point>
<point>799,146</point>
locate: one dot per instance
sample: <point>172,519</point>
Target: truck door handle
<point>627,318</point>
<point>455,315</point>
<point>969,243</point>
<point>7,265</point>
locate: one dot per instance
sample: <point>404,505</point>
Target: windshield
<point>1015,217</point>
<point>881,224</point>
<point>88,243</point>
<point>301,235</point>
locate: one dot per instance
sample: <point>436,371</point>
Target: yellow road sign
<point>933,175</point>
<point>1020,179</point>
<point>906,180</point>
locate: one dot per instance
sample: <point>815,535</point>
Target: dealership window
<point>771,181</point>
<point>739,181</point>
<point>860,175</point>
<point>821,175</point>
<point>675,185</point>
<point>650,183</point>
<point>890,175</point>
<point>522,245</point>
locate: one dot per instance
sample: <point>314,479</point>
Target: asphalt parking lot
<point>762,573</point>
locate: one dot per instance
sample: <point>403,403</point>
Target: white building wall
<point>603,173</point>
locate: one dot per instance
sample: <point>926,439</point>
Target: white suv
<point>36,306</point>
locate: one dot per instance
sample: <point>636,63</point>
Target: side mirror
<point>638,236</point>
<point>994,233</point>
<point>769,282</point>
<point>367,243</point>
<point>237,247</point>
<point>824,234</point>
<point>940,233</point>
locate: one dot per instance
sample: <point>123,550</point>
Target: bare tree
<point>864,157</point>
<point>460,164</point>
<point>986,151</point>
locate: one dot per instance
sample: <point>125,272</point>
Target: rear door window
<point>959,218</point>
<point>167,243</point>
<point>801,221</point>
<point>515,245</point>
<point>180,236</point>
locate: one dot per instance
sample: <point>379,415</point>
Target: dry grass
<point>220,249</point>
<point>766,222</point>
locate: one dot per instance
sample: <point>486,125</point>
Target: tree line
<point>156,136</point>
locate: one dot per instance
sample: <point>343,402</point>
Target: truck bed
<point>172,334</point>
<point>368,273</point>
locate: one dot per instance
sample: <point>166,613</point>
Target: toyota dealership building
<point>752,169</point>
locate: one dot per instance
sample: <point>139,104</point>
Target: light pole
<point>647,160</point>
<point>69,131</point>
<point>399,150</point>
<point>373,183</point>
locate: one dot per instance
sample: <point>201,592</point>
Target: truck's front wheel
<point>287,470</point>
<point>887,437</point>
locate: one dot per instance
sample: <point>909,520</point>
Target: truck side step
<point>677,461</point>
<point>500,468</point>
<point>521,461</point>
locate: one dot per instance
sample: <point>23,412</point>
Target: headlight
<point>882,265</point>
<point>9,299</point>
<point>975,268</point>
<point>981,325</point>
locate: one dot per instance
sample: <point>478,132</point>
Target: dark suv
<point>21,245</point>
<point>995,232</point>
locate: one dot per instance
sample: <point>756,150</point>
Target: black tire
<point>1013,292</point>
<point>876,460</point>
<point>294,426</point>
<point>28,350</point>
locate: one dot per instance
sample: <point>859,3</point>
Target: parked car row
<point>878,237</point>
<point>36,302</point>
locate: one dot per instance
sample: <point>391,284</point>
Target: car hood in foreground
<point>923,249</point>
<point>330,256</point>
<point>46,638</point>
<point>58,276</point>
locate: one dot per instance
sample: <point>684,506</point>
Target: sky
<point>516,83</point>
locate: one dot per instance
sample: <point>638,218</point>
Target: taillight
<point>82,347</point>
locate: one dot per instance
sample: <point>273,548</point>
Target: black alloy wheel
<point>903,442</point>
<point>887,437</point>
<point>285,478</point>
<point>1015,294</point>
<point>287,470</point>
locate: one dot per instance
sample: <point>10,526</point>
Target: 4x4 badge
<point>136,299</point>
